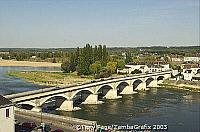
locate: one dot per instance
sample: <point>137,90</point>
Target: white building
<point>188,75</point>
<point>193,59</point>
<point>158,68</point>
<point>132,67</point>
<point>176,59</point>
<point>6,115</point>
<point>144,68</point>
<point>175,72</point>
<point>191,73</point>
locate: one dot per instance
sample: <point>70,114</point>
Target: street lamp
<point>41,123</point>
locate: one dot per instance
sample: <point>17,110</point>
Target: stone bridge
<point>65,98</point>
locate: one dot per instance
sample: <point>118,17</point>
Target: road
<point>67,124</point>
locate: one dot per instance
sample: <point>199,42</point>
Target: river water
<point>179,109</point>
<point>10,84</point>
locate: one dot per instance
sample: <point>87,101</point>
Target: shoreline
<point>28,63</point>
<point>182,86</point>
<point>49,78</point>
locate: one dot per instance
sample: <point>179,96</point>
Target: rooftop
<point>4,101</point>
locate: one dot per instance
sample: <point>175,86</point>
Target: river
<point>179,109</point>
<point>10,84</point>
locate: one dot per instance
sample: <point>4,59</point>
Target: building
<point>6,115</point>
<point>176,58</point>
<point>131,67</point>
<point>158,68</point>
<point>191,59</point>
<point>190,71</point>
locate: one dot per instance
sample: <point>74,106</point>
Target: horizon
<point>71,24</point>
<point>106,47</point>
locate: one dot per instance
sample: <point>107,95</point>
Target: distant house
<point>158,68</point>
<point>6,115</point>
<point>176,58</point>
<point>187,74</point>
<point>131,67</point>
<point>190,71</point>
<point>193,67</point>
<point>193,59</point>
<point>33,57</point>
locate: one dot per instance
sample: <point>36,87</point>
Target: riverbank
<point>193,86</point>
<point>50,78</point>
<point>28,63</point>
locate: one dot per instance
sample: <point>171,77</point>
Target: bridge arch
<point>136,83</point>
<point>121,86</point>
<point>80,96</point>
<point>198,71</point>
<point>103,90</point>
<point>106,86</point>
<point>149,80</point>
<point>88,90</point>
<point>60,96</point>
<point>161,77</point>
<point>26,105</point>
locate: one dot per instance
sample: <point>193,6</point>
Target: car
<point>45,127</point>
<point>102,79</point>
<point>30,125</point>
<point>93,81</point>
<point>57,130</point>
<point>17,122</point>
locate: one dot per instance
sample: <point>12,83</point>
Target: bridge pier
<point>160,82</point>
<point>128,90</point>
<point>68,105</point>
<point>112,94</point>
<point>153,83</point>
<point>92,99</point>
<point>142,86</point>
<point>36,109</point>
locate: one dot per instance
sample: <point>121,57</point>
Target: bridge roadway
<point>37,98</point>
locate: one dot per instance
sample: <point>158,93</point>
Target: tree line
<point>92,60</point>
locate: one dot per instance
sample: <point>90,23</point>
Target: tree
<point>99,53</point>
<point>65,67</point>
<point>95,67</point>
<point>72,62</point>
<point>136,71</point>
<point>83,66</point>
<point>112,66</point>
<point>77,55</point>
<point>104,56</point>
<point>104,73</point>
<point>128,57</point>
<point>54,60</point>
<point>120,64</point>
<point>95,53</point>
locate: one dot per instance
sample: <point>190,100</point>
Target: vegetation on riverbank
<point>28,63</point>
<point>50,78</point>
<point>182,84</point>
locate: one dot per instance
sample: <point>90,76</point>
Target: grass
<point>50,78</point>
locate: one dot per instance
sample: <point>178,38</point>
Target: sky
<point>115,23</point>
